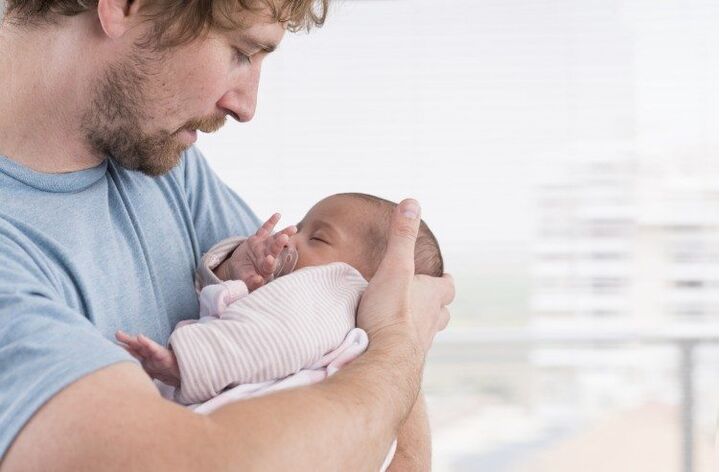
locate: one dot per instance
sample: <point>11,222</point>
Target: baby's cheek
<point>306,258</point>
<point>366,269</point>
<point>300,262</point>
<point>309,257</point>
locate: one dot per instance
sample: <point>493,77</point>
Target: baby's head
<point>353,228</point>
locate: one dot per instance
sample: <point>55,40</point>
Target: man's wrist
<point>399,339</point>
<point>399,352</point>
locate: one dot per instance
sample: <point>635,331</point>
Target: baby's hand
<point>255,260</point>
<point>158,361</point>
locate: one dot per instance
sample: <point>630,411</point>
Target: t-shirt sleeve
<point>217,211</point>
<point>44,344</point>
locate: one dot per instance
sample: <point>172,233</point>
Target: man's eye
<point>241,57</point>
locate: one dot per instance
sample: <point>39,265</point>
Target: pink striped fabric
<point>278,330</point>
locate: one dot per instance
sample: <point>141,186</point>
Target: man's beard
<point>113,123</point>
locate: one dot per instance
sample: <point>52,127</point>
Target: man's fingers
<point>400,252</point>
<point>444,318</point>
<point>448,293</point>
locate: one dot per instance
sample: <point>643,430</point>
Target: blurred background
<point>565,153</point>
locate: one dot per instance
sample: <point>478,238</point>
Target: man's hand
<point>398,301</point>
<point>158,361</point>
<point>255,260</point>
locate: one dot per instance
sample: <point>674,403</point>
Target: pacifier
<point>286,262</point>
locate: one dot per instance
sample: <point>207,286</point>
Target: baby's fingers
<point>290,231</point>
<point>266,229</point>
<point>124,338</point>
<point>149,346</point>
<point>129,347</point>
<point>135,354</point>
<point>268,265</point>
<point>254,282</point>
<point>130,343</point>
<point>279,241</point>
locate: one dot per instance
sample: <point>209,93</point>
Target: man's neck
<point>45,89</point>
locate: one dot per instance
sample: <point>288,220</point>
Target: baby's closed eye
<point>320,237</point>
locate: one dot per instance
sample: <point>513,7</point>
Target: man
<point>103,219</point>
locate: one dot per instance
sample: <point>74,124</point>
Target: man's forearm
<point>358,411</point>
<point>414,445</point>
<point>345,423</point>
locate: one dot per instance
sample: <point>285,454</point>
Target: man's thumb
<point>400,252</point>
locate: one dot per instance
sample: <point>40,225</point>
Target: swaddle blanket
<point>297,330</point>
<point>278,330</point>
<point>354,344</point>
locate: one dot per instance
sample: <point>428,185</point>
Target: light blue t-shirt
<point>86,253</point>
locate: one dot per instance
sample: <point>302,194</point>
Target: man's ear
<point>117,16</point>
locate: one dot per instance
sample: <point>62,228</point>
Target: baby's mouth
<point>286,262</point>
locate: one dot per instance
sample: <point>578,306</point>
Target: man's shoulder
<point>13,242</point>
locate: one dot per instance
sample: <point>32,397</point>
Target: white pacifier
<point>286,262</point>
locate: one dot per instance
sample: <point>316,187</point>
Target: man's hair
<point>428,257</point>
<point>176,21</point>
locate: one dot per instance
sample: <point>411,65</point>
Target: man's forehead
<point>259,32</point>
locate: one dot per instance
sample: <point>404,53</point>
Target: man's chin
<point>155,162</point>
<point>164,162</point>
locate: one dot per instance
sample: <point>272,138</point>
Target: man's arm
<point>114,419</point>
<point>414,445</point>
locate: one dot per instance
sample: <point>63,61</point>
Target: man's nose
<point>241,100</point>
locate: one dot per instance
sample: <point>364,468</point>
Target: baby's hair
<point>428,258</point>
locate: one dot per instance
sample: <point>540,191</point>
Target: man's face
<point>147,107</point>
<point>333,231</point>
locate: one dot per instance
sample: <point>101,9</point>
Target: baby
<point>287,316</point>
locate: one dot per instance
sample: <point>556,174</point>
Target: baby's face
<point>331,232</point>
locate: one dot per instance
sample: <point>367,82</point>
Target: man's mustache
<point>207,124</point>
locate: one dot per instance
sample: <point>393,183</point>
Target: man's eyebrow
<point>267,47</point>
